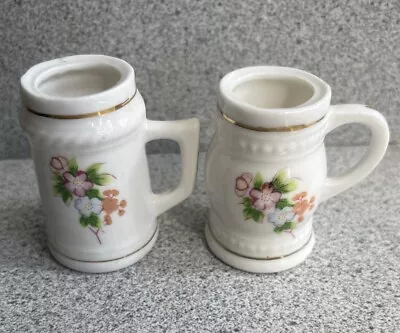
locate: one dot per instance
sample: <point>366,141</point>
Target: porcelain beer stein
<point>87,126</point>
<point>266,169</point>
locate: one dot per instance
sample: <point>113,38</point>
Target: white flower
<point>280,216</point>
<point>87,206</point>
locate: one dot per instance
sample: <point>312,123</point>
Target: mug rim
<point>305,114</point>
<point>71,107</point>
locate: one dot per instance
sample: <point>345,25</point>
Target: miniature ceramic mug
<point>87,126</point>
<point>266,169</point>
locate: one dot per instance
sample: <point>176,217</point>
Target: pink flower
<point>59,164</point>
<point>266,199</point>
<point>78,184</point>
<point>243,184</point>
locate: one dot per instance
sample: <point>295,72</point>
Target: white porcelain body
<point>234,151</point>
<point>117,140</point>
<point>239,151</point>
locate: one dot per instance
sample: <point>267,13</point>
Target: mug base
<point>104,266</point>
<point>258,265</point>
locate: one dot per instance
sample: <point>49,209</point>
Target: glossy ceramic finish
<point>99,207</point>
<point>257,265</point>
<point>104,266</point>
<point>77,85</point>
<point>264,186</point>
<point>253,82</point>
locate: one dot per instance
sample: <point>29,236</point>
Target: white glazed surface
<point>236,150</point>
<point>121,160</point>
<point>117,140</point>
<point>274,95</point>
<point>257,265</point>
<point>89,71</point>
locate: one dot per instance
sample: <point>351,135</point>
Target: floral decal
<point>81,187</point>
<point>77,184</point>
<point>273,201</point>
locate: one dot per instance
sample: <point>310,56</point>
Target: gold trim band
<point>259,259</point>
<point>87,115</point>
<point>265,129</point>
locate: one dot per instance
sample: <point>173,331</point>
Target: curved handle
<point>186,134</point>
<point>355,113</point>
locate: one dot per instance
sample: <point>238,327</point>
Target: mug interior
<point>77,85</point>
<point>273,97</point>
<point>273,92</point>
<point>78,81</point>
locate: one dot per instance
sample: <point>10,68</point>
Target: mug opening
<point>273,97</point>
<point>78,85</point>
<point>273,92</point>
<point>78,80</point>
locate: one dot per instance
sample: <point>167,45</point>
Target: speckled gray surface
<point>350,283</point>
<point>181,48</point>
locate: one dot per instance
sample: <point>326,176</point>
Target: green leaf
<point>258,216</point>
<point>286,226</point>
<point>102,179</point>
<point>92,171</point>
<point>282,184</point>
<point>279,180</point>
<point>247,202</point>
<point>280,176</point>
<point>283,203</point>
<point>66,197</point>
<point>57,178</point>
<point>93,221</point>
<point>94,193</point>
<point>249,212</point>
<point>94,167</point>
<point>288,186</point>
<point>62,191</point>
<point>58,188</point>
<point>258,181</point>
<point>73,166</point>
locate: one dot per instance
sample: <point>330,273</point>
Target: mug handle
<point>186,134</point>
<point>339,115</point>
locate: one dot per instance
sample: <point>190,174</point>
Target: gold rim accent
<point>272,129</point>
<point>110,260</point>
<point>260,259</point>
<point>87,115</point>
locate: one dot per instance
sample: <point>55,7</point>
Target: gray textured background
<point>180,50</point>
<point>349,284</point>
